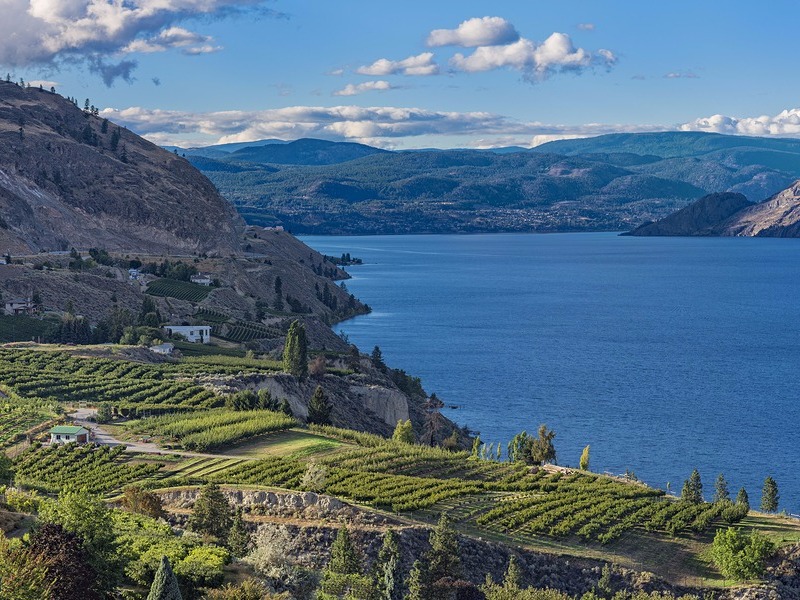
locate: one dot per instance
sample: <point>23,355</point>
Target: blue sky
<point>203,71</point>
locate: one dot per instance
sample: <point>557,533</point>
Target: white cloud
<point>368,86</point>
<point>421,64</point>
<point>51,32</point>
<point>784,124</point>
<point>681,75</point>
<point>586,26</point>
<point>174,37</point>
<point>336,72</point>
<point>483,31</point>
<point>556,53</point>
<point>44,83</point>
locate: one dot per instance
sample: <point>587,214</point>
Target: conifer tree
<point>319,408</point>
<point>721,493</point>
<point>345,559</point>
<point>295,352</point>
<point>444,558</point>
<point>377,359</point>
<point>418,586</point>
<point>387,575</point>
<point>343,577</point>
<point>211,513</point>
<point>769,495</point>
<point>239,538</point>
<point>404,432</point>
<point>742,498</point>
<point>165,584</point>
<point>513,576</point>
<point>584,463</point>
<point>693,488</point>
<point>542,449</point>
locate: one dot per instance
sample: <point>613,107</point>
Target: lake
<point>662,354</point>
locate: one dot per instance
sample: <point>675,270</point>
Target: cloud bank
<point>784,124</point>
<point>54,32</point>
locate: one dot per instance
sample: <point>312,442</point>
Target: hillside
<point>733,215</point>
<point>604,183</point>
<point>68,178</point>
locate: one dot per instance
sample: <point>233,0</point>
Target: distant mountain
<point>219,150</point>
<point>611,182</point>
<point>732,215</point>
<point>68,178</point>
<point>304,151</point>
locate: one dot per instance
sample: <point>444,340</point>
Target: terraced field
<point>182,290</point>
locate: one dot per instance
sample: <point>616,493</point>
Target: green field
<point>182,290</point>
<point>289,444</point>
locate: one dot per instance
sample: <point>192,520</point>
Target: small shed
<point>167,349</point>
<point>65,434</point>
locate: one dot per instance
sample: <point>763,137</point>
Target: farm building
<point>166,349</point>
<point>64,434</point>
<point>133,274</point>
<point>20,306</point>
<point>193,333</point>
<point>201,279</point>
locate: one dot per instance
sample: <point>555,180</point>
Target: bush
<point>740,556</point>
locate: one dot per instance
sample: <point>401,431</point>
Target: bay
<point>662,354</point>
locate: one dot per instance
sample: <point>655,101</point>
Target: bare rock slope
<point>69,178</point>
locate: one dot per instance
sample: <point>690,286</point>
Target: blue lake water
<point>663,354</point>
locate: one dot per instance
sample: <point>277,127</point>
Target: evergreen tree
<point>721,493</point>
<point>404,432</point>
<point>345,559</point>
<point>769,495</point>
<point>377,359</point>
<point>165,584</point>
<point>513,576</point>
<point>211,513</point>
<point>319,408</point>
<point>433,418</point>
<point>693,488</point>
<point>584,463</point>
<point>542,449</point>
<point>444,558</point>
<point>295,351</point>
<point>239,538</point>
<point>387,574</point>
<point>285,408</point>
<point>343,577</point>
<point>742,498</point>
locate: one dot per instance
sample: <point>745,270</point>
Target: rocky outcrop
<point>778,216</point>
<point>732,215</point>
<point>699,218</point>
<point>69,178</point>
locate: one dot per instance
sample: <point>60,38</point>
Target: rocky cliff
<point>698,218</point>
<point>69,178</point>
<point>732,215</point>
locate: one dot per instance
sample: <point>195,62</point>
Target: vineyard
<point>182,290</point>
<point>22,328</point>
<point>100,469</point>
<point>213,429</point>
<point>244,332</point>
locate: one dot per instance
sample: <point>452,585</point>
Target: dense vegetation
<point>182,290</point>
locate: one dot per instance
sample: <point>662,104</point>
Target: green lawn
<point>288,444</point>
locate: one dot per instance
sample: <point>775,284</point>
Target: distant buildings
<point>166,349</point>
<point>133,274</point>
<point>193,333</point>
<point>20,306</point>
<point>201,279</point>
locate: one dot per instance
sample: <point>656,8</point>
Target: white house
<point>166,349</point>
<point>201,279</point>
<point>20,306</point>
<point>192,333</point>
<point>64,434</point>
<point>133,274</point>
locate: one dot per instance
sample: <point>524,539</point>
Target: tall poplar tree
<point>295,352</point>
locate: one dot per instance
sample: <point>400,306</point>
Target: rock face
<point>732,215</point>
<point>70,179</point>
<point>777,217</point>
<point>698,218</point>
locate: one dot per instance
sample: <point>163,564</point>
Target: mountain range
<point>610,182</point>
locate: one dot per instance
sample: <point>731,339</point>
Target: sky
<point>412,74</point>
